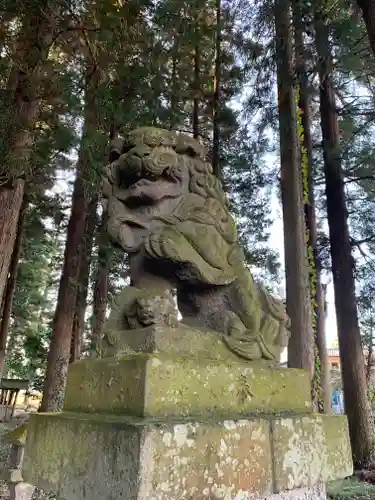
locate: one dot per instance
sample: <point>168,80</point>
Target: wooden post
<point>14,402</point>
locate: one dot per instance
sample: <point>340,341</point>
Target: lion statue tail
<point>273,306</point>
<point>275,325</point>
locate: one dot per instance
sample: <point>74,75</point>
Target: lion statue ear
<point>115,149</point>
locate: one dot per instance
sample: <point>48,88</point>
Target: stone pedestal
<point>157,426</point>
<point>12,475</point>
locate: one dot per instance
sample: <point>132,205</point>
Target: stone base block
<point>78,456</point>
<point>161,386</point>
<point>181,340</point>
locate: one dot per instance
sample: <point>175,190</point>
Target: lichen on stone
<point>170,213</point>
<point>17,436</point>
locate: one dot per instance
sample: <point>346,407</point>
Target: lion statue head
<point>164,201</point>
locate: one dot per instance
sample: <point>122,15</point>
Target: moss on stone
<point>177,341</point>
<point>310,449</point>
<point>88,458</point>
<point>17,436</point>
<point>109,456</point>
<point>161,385</point>
<point>336,434</point>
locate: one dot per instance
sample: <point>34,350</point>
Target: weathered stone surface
<point>309,450</point>
<point>159,385</point>
<point>177,341</point>
<point>18,435</point>
<point>82,457</point>
<point>11,475</point>
<point>170,213</point>
<point>15,456</point>
<point>21,491</point>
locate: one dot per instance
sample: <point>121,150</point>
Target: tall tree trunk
<point>196,89</point>
<point>101,286</point>
<point>216,97</point>
<point>196,86</point>
<point>10,207</point>
<point>174,84</point>
<point>315,271</point>
<point>59,353</point>
<point>19,110</point>
<point>370,360</point>
<point>84,275</point>
<point>77,331</point>
<point>11,285</point>
<point>368,12</point>
<point>300,349</point>
<point>323,376</point>
<point>352,359</point>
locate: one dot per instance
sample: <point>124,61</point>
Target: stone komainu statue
<point>170,214</point>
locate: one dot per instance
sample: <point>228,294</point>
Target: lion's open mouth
<point>142,193</point>
<point>150,191</point>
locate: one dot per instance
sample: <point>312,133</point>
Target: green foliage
<point>249,188</point>
<point>32,305</point>
<point>144,53</point>
<point>350,489</point>
<point>138,60</point>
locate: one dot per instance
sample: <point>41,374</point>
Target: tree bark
<point>216,97</point>
<point>300,349</point>
<point>317,297</point>
<point>101,286</point>
<point>19,111</point>
<point>196,86</point>
<point>196,89</point>
<point>368,12</point>
<point>315,281</point>
<point>11,285</point>
<point>83,283</point>
<point>174,84</point>
<point>352,359</point>
<point>10,206</point>
<point>59,353</point>
<point>370,362</point>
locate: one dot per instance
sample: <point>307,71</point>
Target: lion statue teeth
<point>169,212</point>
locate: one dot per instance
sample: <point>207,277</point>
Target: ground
<point>350,489</point>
